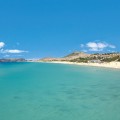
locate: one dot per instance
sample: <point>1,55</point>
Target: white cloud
<point>97,46</point>
<point>7,52</point>
<point>112,46</point>
<point>2,44</point>
<point>13,51</point>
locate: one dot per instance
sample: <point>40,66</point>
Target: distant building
<point>94,61</point>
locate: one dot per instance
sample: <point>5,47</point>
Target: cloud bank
<point>10,51</point>
<point>97,46</point>
<point>15,51</point>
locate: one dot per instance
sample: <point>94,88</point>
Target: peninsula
<point>111,60</point>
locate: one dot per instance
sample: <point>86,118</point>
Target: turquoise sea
<point>44,91</point>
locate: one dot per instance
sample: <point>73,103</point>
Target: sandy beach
<point>107,65</point>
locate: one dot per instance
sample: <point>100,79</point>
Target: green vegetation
<point>85,60</point>
<point>115,58</point>
<point>102,58</point>
<point>119,59</point>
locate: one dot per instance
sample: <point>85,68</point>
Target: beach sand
<point>107,65</point>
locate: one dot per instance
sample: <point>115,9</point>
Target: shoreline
<point>105,65</point>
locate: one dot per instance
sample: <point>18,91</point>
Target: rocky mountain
<point>84,57</point>
<point>12,60</point>
<point>76,55</point>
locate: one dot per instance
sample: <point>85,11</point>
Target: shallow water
<point>43,91</point>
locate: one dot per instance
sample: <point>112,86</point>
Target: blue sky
<point>54,28</point>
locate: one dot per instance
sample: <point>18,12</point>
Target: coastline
<point>106,65</point>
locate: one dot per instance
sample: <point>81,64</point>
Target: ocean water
<point>44,91</point>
